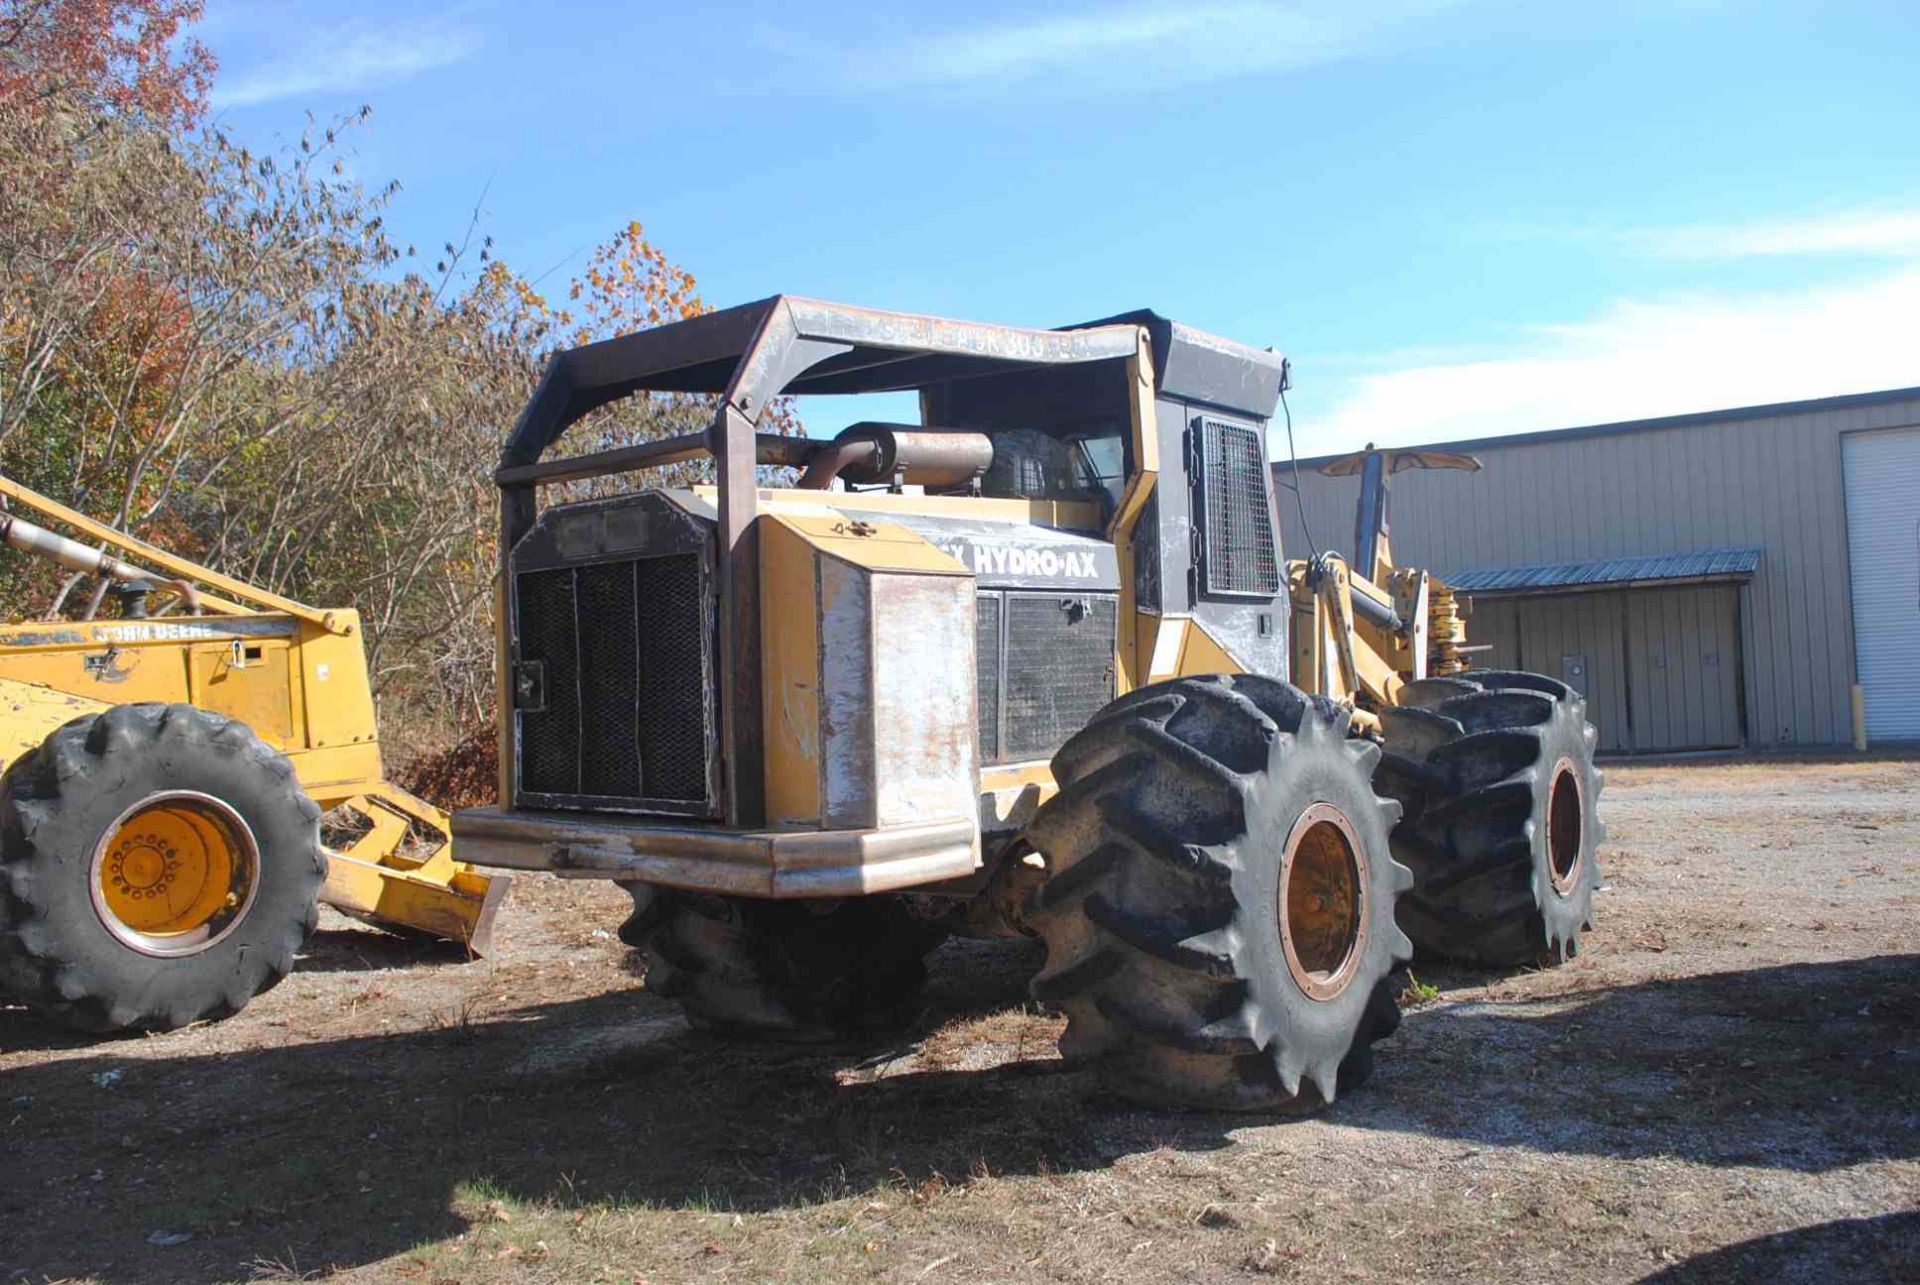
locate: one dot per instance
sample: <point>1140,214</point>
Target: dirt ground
<point>1724,1086</point>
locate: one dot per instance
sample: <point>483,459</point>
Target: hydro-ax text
<point>1003,560</point>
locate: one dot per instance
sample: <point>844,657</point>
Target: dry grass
<point>1726,1085</point>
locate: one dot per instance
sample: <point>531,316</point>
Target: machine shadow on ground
<point>353,950</point>
<point>1860,1249</point>
<point>330,950</point>
<point>349,1151</point>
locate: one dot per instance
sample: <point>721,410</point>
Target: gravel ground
<point>1724,1086</point>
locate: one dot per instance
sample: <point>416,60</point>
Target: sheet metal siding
<point>1773,483</point>
<point>1539,633</point>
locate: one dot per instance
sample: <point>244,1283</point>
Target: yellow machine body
<point>869,771</point>
<point>1016,667</point>
<point>298,678</point>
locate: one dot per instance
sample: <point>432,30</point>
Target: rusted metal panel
<point>925,760</point>
<point>847,797</point>
<point>897,731</point>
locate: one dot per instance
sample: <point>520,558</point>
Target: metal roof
<point>1769,410</point>
<point>1611,573</point>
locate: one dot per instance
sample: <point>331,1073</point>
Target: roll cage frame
<point>746,357</point>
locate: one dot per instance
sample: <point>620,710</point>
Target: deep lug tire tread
<point>56,800</point>
<point>1470,760</point>
<point>1159,920</point>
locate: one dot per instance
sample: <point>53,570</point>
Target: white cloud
<point>349,59</point>
<point>1238,32</point>
<point>1642,359</point>
<point>1124,47</point>
<point>1881,233</point>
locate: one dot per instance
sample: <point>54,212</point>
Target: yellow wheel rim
<point>175,873</point>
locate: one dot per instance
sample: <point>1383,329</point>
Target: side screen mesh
<point>610,761</point>
<point>674,678</point>
<point>1238,554</point>
<point>987,674</point>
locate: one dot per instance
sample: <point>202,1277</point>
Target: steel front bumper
<point>745,863</point>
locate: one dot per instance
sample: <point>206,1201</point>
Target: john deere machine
<point>1019,667</point>
<point>166,773</point>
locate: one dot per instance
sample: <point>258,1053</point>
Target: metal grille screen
<point>1059,670</point>
<point>609,681</point>
<point>675,685</point>
<point>627,714</point>
<point>1238,555</point>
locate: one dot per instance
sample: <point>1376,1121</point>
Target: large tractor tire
<point>1494,771</point>
<point>794,972</point>
<point>1219,914</point>
<point>159,865</point>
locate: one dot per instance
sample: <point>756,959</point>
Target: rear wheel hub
<point>1322,901</point>
<point>175,873</point>
<point>1566,825</point>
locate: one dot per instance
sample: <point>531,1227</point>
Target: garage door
<point>1883,548</point>
<point>1659,667</point>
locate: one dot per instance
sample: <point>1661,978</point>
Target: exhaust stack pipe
<point>881,453</point>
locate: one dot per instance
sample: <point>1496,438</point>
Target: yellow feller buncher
<point>166,772</point>
<point>1019,667</point>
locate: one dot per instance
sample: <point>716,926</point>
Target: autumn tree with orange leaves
<point>125,57</point>
<point>226,352</point>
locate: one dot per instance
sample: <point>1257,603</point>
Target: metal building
<point>1710,581</point>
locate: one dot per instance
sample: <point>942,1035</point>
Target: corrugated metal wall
<point>1766,480</point>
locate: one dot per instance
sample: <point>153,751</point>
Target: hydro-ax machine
<point>1019,666</point>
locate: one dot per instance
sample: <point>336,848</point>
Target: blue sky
<point>1457,218</point>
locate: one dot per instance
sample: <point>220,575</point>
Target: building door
<point>1883,550</point>
<point>1660,668</point>
<point>1683,667</point>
